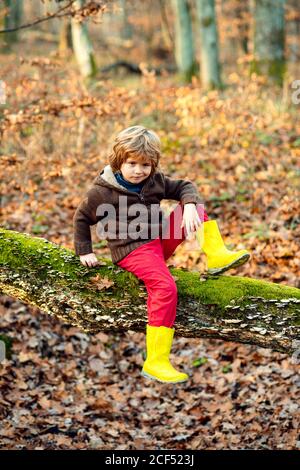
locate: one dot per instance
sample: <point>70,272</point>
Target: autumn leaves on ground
<point>63,389</point>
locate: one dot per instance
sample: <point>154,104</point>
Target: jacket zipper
<point>140,195</point>
<point>134,192</point>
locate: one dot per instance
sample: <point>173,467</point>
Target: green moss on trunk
<point>231,308</point>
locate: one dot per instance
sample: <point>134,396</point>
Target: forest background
<point>222,92</point>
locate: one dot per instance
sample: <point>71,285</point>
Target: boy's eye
<point>144,164</point>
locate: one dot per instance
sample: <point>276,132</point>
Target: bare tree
<point>294,30</point>
<point>184,47</point>
<point>269,39</point>
<point>82,45</point>
<point>210,64</point>
<point>12,19</point>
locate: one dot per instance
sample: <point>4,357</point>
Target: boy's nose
<point>138,171</point>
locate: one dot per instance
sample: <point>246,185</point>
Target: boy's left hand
<point>190,219</point>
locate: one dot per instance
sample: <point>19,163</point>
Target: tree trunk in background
<point>165,26</point>
<point>294,30</point>
<point>184,47</point>
<point>65,37</point>
<point>242,13</point>
<point>82,46</point>
<point>12,19</point>
<point>46,7</point>
<point>269,39</point>
<point>210,64</point>
<point>126,30</point>
<point>231,41</point>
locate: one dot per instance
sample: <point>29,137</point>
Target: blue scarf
<point>130,186</point>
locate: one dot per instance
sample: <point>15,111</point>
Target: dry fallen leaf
<point>101,282</point>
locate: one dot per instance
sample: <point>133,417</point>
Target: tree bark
<point>82,46</point>
<point>242,13</point>
<point>108,298</point>
<point>294,30</point>
<point>65,37</point>
<point>12,20</point>
<point>184,46</point>
<point>166,33</point>
<point>269,39</point>
<point>210,63</point>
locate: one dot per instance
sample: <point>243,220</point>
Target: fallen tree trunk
<point>108,298</point>
<point>135,68</point>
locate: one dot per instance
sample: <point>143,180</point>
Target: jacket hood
<point>107,178</point>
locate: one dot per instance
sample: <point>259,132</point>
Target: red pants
<point>147,262</point>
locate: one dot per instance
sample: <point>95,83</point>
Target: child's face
<point>135,170</point>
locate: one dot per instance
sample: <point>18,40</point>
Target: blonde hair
<point>136,141</point>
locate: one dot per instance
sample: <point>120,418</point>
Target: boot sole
<point>152,377</point>
<point>234,264</point>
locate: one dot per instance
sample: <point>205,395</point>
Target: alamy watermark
<point>140,221</point>
<point>2,92</point>
<point>296,94</point>
<point>296,353</point>
<point>2,351</point>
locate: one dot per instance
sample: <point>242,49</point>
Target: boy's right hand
<point>89,260</point>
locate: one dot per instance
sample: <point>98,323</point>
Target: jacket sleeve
<point>181,190</point>
<point>84,217</point>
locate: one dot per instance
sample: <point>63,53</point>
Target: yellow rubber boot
<point>157,365</point>
<point>219,258</point>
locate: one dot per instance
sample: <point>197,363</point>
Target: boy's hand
<point>190,219</point>
<point>89,260</point>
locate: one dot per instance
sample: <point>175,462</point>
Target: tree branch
<point>108,298</point>
<point>40,20</point>
<point>89,9</point>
